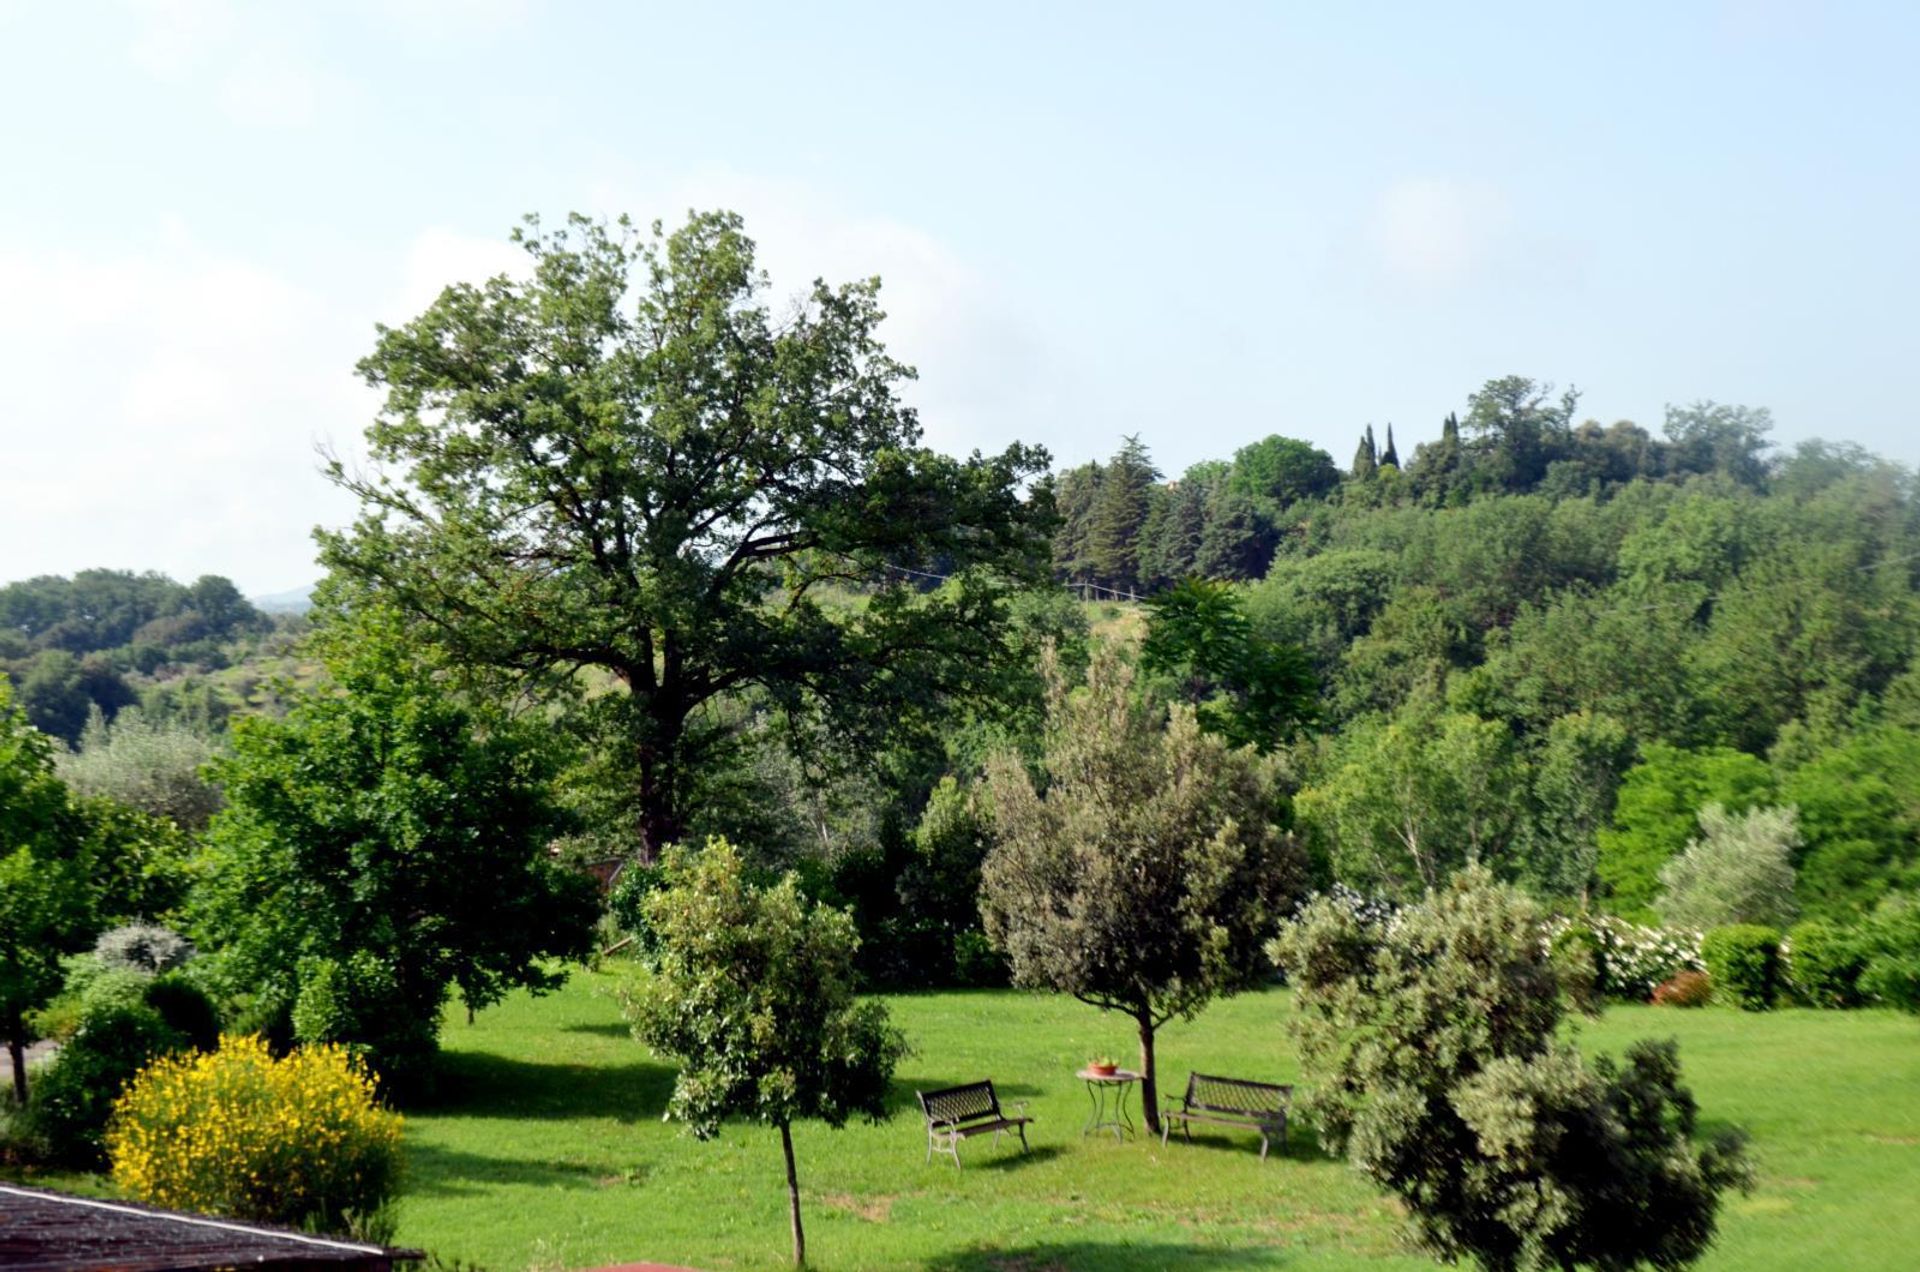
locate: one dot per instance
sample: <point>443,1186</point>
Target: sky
<point>1200,223</point>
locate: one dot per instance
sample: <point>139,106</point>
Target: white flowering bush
<point>1635,959</point>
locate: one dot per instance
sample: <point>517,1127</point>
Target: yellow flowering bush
<point>236,1132</point>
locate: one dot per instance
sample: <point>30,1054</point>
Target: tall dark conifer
<point>1389,455</point>
<point>1119,512</point>
<point>1365,461</point>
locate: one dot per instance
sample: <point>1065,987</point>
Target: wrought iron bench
<point>1261,1106</point>
<point>956,1113</point>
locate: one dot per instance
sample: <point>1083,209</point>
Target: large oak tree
<point>627,462</point>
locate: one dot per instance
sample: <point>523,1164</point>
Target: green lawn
<point>546,1149</point>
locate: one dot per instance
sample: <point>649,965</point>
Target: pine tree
<point>1119,512</point>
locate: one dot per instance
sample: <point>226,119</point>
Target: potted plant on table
<point>1103,1066</point>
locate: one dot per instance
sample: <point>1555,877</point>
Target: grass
<point>545,1149</point>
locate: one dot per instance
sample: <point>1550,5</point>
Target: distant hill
<point>297,601</point>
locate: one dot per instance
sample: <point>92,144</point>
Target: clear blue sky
<point>1201,224</point>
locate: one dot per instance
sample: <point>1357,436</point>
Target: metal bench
<point>957,1113</point>
<point>1260,1106</point>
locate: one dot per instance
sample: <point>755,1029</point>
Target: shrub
<point>1581,960</point>
<point>186,1008</point>
<point>1744,961</point>
<point>1434,1051</point>
<point>235,1132</point>
<point>72,1099</point>
<point>1823,964</point>
<point>143,947</point>
<point>1687,989</point>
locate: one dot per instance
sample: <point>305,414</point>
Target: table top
<point>1118,1075</point>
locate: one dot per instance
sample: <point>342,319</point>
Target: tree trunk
<point>1149,1088</point>
<point>793,1198</point>
<point>17,1050</point>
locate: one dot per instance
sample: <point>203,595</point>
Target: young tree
<point>1431,1043</point>
<point>46,897</point>
<point>658,488</point>
<point>752,990</point>
<point>1740,870</point>
<point>1144,871</point>
<point>382,845</point>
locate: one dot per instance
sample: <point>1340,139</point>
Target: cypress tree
<point>1365,462</point>
<point>1389,455</point>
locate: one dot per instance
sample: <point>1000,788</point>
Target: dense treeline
<point>1124,530</point>
<point>104,640</point>
<point>1551,647</point>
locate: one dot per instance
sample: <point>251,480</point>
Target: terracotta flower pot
<point>1104,1070</point>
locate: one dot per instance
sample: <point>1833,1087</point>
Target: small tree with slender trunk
<point>752,990</point>
<point>47,901</point>
<point>1144,869</point>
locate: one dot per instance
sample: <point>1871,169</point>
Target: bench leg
<point>1263,1146</point>
<point>1166,1128</point>
<point>1023,1138</point>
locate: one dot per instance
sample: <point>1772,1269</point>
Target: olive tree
<point>1144,867</point>
<point>752,990</point>
<point>1430,1042</point>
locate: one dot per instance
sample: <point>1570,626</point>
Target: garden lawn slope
<point>546,1149</point>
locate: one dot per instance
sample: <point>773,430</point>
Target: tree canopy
<point>628,462</point>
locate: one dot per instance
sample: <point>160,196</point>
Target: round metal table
<point>1107,1093</point>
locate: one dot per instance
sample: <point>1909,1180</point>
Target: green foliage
<point>1431,1046</point>
<point>387,838</point>
<point>1891,942</point>
<point>1823,964</point>
<point>1576,779</point>
<point>1657,812</point>
<point>73,1096</point>
<point>185,1008</point>
<point>1859,805</point>
<point>1251,691</point>
<point>1407,801</point>
<point>48,905</point>
<point>627,463</point>
<point>1744,961</point>
<point>1740,870</point>
<point>752,990</point>
<point>1144,870</point>
<point>1282,471</point>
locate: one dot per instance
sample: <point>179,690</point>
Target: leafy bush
<point>1892,945</point>
<point>72,1098</point>
<point>1744,961</point>
<point>1432,1044</point>
<point>626,901</point>
<point>1824,964</point>
<point>298,1141</point>
<point>1580,958</point>
<point>143,947</point>
<point>1687,989</point>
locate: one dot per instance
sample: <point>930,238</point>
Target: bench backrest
<point>968,1103</point>
<point>1237,1095</point>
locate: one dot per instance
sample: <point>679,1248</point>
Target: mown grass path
<point>546,1149</point>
